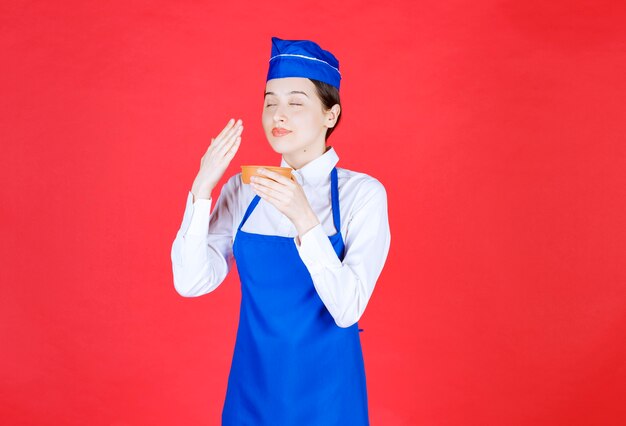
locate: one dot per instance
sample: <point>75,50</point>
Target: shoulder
<point>234,183</point>
<point>233,200</point>
<point>363,187</point>
<point>234,189</point>
<point>361,182</point>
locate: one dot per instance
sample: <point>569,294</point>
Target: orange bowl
<point>248,171</point>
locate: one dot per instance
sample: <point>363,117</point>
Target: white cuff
<point>199,224</point>
<point>316,251</point>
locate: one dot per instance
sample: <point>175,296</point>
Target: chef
<point>309,251</point>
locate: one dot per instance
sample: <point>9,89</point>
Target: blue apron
<point>292,365</point>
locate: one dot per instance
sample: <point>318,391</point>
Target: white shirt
<point>202,252</point>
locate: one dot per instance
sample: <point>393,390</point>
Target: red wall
<point>497,128</point>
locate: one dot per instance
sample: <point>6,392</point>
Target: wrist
<point>306,224</point>
<point>201,193</point>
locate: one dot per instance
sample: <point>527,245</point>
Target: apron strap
<point>251,207</point>
<point>334,193</point>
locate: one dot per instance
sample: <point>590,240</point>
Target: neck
<point>297,160</point>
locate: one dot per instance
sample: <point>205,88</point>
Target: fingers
<point>225,139</point>
<point>274,176</point>
<point>223,147</point>
<point>272,183</point>
<point>269,187</point>
<point>233,130</point>
<point>265,192</point>
<point>229,136</point>
<point>234,147</point>
<point>228,126</point>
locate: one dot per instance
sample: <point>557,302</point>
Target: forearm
<point>197,267</point>
<point>344,287</point>
<point>200,260</point>
<point>344,294</point>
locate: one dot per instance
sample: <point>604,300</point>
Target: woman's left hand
<point>287,196</point>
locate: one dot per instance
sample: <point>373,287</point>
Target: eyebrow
<point>290,93</point>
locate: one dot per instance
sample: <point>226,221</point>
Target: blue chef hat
<point>303,58</point>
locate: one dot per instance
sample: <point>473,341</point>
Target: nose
<point>279,116</point>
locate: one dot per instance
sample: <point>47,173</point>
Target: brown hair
<point>329,95</point>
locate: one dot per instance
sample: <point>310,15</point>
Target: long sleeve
<point>202,250</point>
<point>346,286</point>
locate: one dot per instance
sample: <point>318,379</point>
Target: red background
<point>497,128</point>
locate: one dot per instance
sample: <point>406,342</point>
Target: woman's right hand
<point>217,158</point>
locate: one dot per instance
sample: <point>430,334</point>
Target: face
<point>294,119</point>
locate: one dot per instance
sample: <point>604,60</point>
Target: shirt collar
<point>316,171</point>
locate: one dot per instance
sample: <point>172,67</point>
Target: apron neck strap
<point>334,193</point>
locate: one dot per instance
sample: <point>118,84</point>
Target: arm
<point>345,286</point>
<point>202,250</point>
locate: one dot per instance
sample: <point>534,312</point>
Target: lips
<point>276,131</point>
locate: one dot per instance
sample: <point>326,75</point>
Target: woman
<point>308,250</point>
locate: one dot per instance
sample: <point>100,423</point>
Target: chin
<point>280,147</point>
<point>277,150</point>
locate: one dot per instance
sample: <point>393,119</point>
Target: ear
<point>332,115</point>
